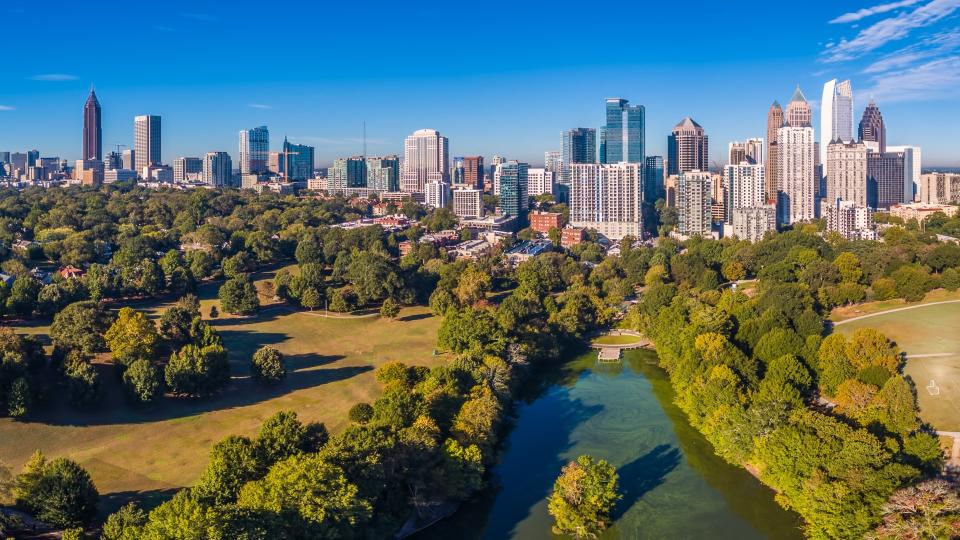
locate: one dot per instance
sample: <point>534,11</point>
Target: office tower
<point>129,160</point>
<point>553,162</point>
<point>745,184</point>
<point>796,173</point>
<point>275,163</point>
<point>872,130</point>
<point>468,203</point>
<point>749,151</point>
<point>92,134</point>
<point>798,111</point>
<point>473,172</point>
<point>774,123</point>
<point>539,181</point>
<point>653,179</point>
<point>113,160</point>
<point>217,169</point>
<point>383,173</point>
<point>940,188</point>
<point>607,198</point>
<point>887,183</point>
<point>456,171</point>
<point>254,150</point>
<point>578,145</point>
<point>687,148</point>
<point>912,165</point>
<point>425,159</point>
<point>346,173</point>
<point>18,162</point>
<point>187,169</point>
<point>836,115</point>
<point>623,134</point>
<point>89,172</point>
<point>736,152</point>
<point>4,157</point>
<point>437,194</point>
<point>754,222</point>
<point>694,198</point>
<point>298,162</point>
<point>846,172</point>
<point>146,142</point>
<point>512,177</point>
<point>851,220</point>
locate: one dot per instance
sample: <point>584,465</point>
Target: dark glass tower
<point>92,135</point>
<point>872,128</point>
<point>623,134</point>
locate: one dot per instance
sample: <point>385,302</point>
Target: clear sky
<point>496,77</point>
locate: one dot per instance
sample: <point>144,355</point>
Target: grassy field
<point>929,337</point>
<point>145,454</point>
<point>848,312</point>
<point>616,340</point>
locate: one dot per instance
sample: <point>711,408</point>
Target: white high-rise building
<point>836,115</point>
<point>912,164</point>
<point>607,197</point>
<point>437,194</point>
<point>750,150</point>
<point>753,223</point>
<point>846,172</point>
<point>694,197</point>
<point>426,158</point>
<point>468,203</point>
<point>746,187</point>
<point>796,172</point>
<point>217,169</point>
<point>851,220</point>
<point>146,141</point>
<point>539,181</point>
<point>254,150</point>
<point>187,169</point>
<point>553,162</point>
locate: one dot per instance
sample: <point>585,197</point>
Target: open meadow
<point>930,337</point>
<point>145,454</point>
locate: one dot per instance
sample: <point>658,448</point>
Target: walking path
<point>953,461</point>
<point>895,310</point>
<point>930,355</point>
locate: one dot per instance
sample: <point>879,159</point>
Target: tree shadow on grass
<point>147,500</point>
<point>643,474</point>
<point>415,317</point>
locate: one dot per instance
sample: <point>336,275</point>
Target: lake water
<point>674,486</point>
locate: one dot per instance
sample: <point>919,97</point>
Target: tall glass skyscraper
<point>579,145</point>
<point>653,179</point>
<point>513,187</point>
<point>622,138</point>
<point>254,150</point>
<point>299,162</point>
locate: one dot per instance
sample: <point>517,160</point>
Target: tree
<point>849,267</point>
<point>234,461</point>
<point>390,309</point>
<point>19,398</point>
<point>175,324</point>
<point>132,337</point>
<point>583,497</point>
<point>80,326</point>
<point>122,524</point>
<point>239,296</point>
<point>197,371</point>
<point>283,435</point>
<point>950,280</point>
<point>360,413</point>
<point>930,509</point>
<point>83,384</point>
<point>267,366</point>
<point>58,492</point>
<point>310,298</point>
<point>473,285</point>
<point>142,382</point>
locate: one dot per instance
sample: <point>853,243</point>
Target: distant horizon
<point>498,93</point>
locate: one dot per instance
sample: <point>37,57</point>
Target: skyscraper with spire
<point>872,130</point>
<point>92,134</point>
<point>798,110</point>
<point>774,123</point>
<point>687,148</point>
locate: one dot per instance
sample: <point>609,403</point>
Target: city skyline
<point>326,110</point>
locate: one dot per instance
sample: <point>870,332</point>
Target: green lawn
<point>928,330</point>
<point>843,313</point>
<point>145,454</point>
<point>616,340</point>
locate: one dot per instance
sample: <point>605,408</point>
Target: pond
<point>673,485</point>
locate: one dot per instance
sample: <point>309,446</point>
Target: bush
<point>361,413</point>
<point>142,382</point>
<point>389,309</point>
<point>267,366</point>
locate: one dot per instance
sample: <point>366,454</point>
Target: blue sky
<point>496,77</point>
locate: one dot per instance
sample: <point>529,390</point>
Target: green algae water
<point>673,485</point>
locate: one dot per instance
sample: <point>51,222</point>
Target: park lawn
<point>616,340</point>
<point>843,313</point>
<point>146,454</point>
<point>929,335</point>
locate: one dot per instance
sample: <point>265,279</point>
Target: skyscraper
<point>579,145</point>
<point>92,134</point>
<point>836,115</point>
<point>872,130</point>
<point>187,169</point>
<point>513,187</point>
<point>217,169</point>
<point>687,148</point>
<point>653,179</point>
<point>774,123</point>
<point>299,161</point>
<point>796,173</point>
<point>887,181</point>
<point>383,173</point>
<point>750,150</point>
<point>553,162</point>
<point>426,158</point>
<point>623,132</point>
<point>607,197</point>
<point>745,187</point>
<point>912,165</point>
<point>798,110</point>
<point>539,181</point>
<point>694,197</point>
<point>437,194</point>
<point>254,150</point>
<point>473,171</point>
<point>846,172</point>
<point>347,173</point>
<point>146,142</point>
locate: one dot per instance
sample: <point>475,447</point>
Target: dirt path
<point>895,310</point>
<point>953,461</point>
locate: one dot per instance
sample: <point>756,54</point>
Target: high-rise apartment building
<point>607,198</point>
<point>846,172</point>
<point>687,148</point>
<point>579,145</point>
<point>254,150</point>
<point>798,112</point>
<point>553,162</point>
<point>887,182</point>
<point>774,123</point>
<point>347,173</point>
<point>754,222</point>
<point>940,188</point>
<point>796,172</point>
<point>217,169</point>
<point>912,165</point>
<point>187,169</point>
<point>624,132</point>
<point>872,131</point>
<point>298,161</point>
<point>851,220</point>
<point>425,159</point>
<point>437,194</point>
<point>512,176</point>
<point>383,173</point>
<point>836,115</point>
<point>473,172</point>
<point>92,134</point>
<point>128,160</point>
<point>750,151</point>
<point>468,203</point>
<point>745,185</point>
<point>694,203</point>
<point>539,181</point>
<point>146,142</point>
<point>653,188</point>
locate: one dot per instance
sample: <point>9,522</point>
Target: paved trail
<point>895,310</point>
